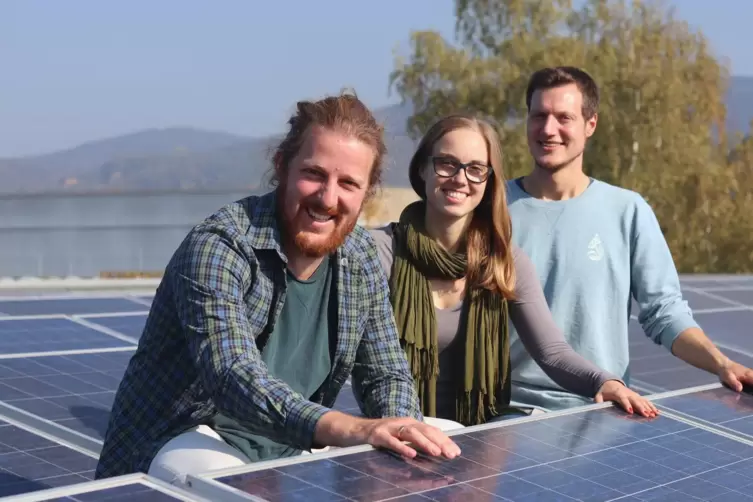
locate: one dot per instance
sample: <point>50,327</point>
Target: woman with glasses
<point>455,277</point>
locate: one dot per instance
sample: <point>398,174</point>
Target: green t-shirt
<point>297,352</point>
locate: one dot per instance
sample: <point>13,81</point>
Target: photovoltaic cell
<point>598,455</point>
<point>346,401</point>
<point>44,335</point>
<point>744,296</point>
<point>729,328</point>
<point>29,462</point>
<point>696,300</point>
<point>74,306</point>
<point>699,301</point>
<point>654,365</point>
<point>75,391</point>
<point>719,407</point>
<point>130,325</point>
<point>135,492</point>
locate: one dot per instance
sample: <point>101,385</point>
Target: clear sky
<point>77,70</point>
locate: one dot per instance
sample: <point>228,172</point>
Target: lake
<point>84,235</point>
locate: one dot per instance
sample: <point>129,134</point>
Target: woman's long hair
<point>489,236</point>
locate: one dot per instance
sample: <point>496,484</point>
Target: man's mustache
<point>320,208</point>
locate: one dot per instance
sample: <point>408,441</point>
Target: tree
<point>661,118</point>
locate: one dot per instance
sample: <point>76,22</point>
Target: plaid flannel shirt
<point>224,286</point>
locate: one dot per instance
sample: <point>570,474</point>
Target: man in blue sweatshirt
<point>594,245</point>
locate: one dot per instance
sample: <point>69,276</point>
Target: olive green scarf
<point>419,258</point>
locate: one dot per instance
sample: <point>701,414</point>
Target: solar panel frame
<point>88,491</point>
<point>207,482</point>
<point>68,305</point>
<point>739,295</point>
<point>59,380</point>
<point>22,330</point>
<point>44,455</point>
<point>128,324</point>
<point>730,422</point>
<point>701,290</point>
<point>654,369</point>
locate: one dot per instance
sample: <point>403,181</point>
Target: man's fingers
<point>599,398</point>
<point>747,377</point>
<point>387,440</point>
<point>416,437</point>
<point>393,434</point>
<point>732,381</point>
<point>447,446</point>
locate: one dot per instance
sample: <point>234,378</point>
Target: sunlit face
<point>324,190</point>
<point>557,131</point>
<point>455,196</point>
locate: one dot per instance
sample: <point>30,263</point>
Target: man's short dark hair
<point>548,78</point>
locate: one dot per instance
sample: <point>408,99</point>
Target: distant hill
<point>187,158</point>
<point>51,171</point>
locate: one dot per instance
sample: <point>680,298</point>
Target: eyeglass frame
<point>458,166</point>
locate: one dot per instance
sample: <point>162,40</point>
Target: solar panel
<point>724,314</point>
<point>744,296</point>
<point>729,328</point>
<point>654,369</point>
<point>346,401</point>
<point>595,455</point>
<point>29,462</point>
<point>716,281</point>
<point>130,325</point>
<point>716,407</point>
<point>600,454</point>
<point>699,301</point>
<point>22,336</point>
<point>68,306</point>
<point>75,391</point>
<point>131,488</point>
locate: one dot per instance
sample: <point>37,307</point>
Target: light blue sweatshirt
<point>592,253</point>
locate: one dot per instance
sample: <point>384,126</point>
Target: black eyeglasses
<point>447,167</point>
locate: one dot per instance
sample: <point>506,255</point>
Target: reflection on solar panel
<point>61,363</point>
<point>74,306</point>
<point>346,401</point>
<point>720,310</point>
<point>131,325</point>
<point>716,407</point>
<point>130,488</point>
<point>75,390</point>
<point>31,462</point>
<point>600,454</point>
<point>19,336</point>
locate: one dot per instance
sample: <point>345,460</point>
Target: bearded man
<point>264,311</point>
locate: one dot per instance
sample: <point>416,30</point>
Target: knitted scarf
<point>483,322</point>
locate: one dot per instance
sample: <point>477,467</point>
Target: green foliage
<point>661,117</point>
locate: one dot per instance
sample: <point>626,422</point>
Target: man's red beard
<point>314,245</point>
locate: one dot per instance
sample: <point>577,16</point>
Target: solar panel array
<point>62,358</point>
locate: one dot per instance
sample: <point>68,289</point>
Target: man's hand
<point>735,375</point>
<point>340,429</point>
<point>615,391</point>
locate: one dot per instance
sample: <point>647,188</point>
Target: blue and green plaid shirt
<point>224,287</point>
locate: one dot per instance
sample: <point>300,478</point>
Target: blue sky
<point>78,70</point>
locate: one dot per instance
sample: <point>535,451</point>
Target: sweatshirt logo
<point>595,249</point>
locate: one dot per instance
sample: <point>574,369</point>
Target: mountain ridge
<point>190,158</point>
